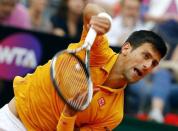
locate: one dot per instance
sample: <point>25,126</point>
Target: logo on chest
<point>101,102</point>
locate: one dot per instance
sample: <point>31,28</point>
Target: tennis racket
<point>70,74</point>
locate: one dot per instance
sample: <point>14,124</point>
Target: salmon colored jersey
<point>40,108</point>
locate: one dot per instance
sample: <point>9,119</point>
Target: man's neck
<point>116,78</point>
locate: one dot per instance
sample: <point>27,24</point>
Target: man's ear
<point>126,48</point>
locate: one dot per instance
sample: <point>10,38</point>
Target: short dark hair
<point>138,38</point>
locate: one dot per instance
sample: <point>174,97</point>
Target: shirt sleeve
<point>100,51</point>
<point>99,127</point>
<point>66,123</point>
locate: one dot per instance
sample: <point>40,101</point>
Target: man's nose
<point>147,65</point>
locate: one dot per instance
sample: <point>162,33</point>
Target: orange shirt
<point>39,107</point>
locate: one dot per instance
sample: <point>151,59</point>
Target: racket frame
<point>57,86</point>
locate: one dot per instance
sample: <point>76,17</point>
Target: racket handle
<point>90,38</point>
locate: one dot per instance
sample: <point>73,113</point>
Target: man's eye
<point>155,63</point>
<point>146,57</point>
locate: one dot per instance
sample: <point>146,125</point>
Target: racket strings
<point>72,80</point>
<point>60,75</point>
<point>63,74</point>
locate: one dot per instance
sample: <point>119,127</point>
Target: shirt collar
<point>110,90</point>
<point>110,64</point>
<point>107,68</point>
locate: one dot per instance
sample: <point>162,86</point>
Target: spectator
<point>12,13</point>
<point>125,23</point>
<point>67,22</point>
<point>160,12</point>
<point>37,17</point>
<point>169,88</point>
<point>164,16</point>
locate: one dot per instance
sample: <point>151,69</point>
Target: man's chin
<point>131,81</point>
<point>131,78</point>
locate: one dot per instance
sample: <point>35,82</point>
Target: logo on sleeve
<point>101,101</point>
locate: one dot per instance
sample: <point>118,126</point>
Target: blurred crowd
<point>156,95</point>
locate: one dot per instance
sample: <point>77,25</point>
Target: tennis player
<point>37,107</point>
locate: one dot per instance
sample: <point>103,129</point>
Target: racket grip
<point>90,38</point>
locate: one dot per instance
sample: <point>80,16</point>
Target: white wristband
<point>106,15</point>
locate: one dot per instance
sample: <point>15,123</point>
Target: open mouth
<point>139,73</point>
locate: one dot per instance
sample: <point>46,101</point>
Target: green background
<point>132,124</point>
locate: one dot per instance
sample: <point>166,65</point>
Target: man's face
<point>139,61</point>
<point>6,8</point>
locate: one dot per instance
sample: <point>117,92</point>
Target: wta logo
<point>19,54</point>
